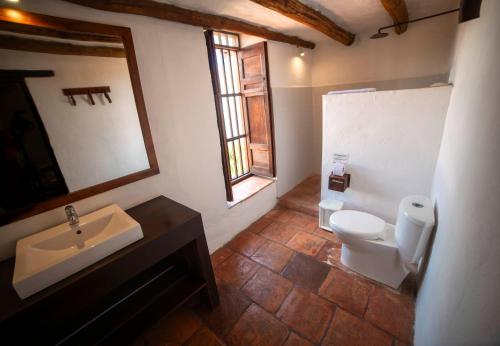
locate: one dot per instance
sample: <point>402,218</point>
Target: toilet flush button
<point>418,209</point>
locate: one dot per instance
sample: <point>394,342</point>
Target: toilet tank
<point>413,227</point>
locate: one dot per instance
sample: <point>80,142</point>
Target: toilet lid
<point>357,224</point>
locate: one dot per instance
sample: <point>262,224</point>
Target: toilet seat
<point>357,224</point>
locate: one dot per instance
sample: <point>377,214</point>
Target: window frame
<point>218,96</point>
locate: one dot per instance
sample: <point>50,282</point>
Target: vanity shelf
<point>117,298</point>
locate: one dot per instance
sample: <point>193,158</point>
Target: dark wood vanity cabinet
<point>114,300</point>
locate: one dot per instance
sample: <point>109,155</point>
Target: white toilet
<point>380,251</point>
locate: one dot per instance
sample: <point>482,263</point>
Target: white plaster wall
<point>290,76</point>
<point>424,50</point>
<point>248,40</point>
<point>416,59</point>
<point>293,136</point>
<point>173,67</point>
<point>92,144</point>
<point>290,79</point>
<point>393,139</point>
<point>458,302</point>
<point>287,68</point>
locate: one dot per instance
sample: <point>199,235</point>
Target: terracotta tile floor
<point>281,283</point>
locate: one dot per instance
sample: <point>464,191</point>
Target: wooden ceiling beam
<point>469,9</point>
<point>51,47</point>
<point>399,12</point>
<point>69,35</point>
<point>304,14</point>
<point>173,13</point>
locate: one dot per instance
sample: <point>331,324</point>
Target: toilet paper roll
<point>338,169</point>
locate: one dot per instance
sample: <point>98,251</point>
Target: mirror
<point>73,121</point>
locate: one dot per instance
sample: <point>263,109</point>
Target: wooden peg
<point>107,97</point>
<point>72,100</point>
<point>91,98</point>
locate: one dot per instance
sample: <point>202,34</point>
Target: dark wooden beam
<point>173,13</point>
<point>70,35</point>
<point>21,74</point>
<point>52,47</point>
<point>301,13</point>
<point>469,9</point>
<point>399,13</point>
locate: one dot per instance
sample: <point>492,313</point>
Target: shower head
<point>379,35</point>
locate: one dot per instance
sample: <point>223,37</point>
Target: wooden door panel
<point>257,109</point>
<point>252,86</point>
<point>261,161</point>
<point>259,134</point>
<point>257,120</point>
<point>252,66</point>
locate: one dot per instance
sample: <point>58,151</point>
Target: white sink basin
<point>54,254</point>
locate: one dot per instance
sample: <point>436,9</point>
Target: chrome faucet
<point>71,215</point>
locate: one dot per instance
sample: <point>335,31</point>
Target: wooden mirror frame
<point>39,24</point>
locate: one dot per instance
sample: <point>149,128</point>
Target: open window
<point>243,105</point>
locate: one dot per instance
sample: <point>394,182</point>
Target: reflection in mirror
<point>54,141</point>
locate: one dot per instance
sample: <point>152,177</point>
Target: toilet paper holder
<point>339,183</point>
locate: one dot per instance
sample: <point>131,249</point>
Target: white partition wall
<point>458,302</point>
<point>393,140</point>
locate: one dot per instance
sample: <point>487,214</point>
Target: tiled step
<point>304,197</point>
<point>309,208</point>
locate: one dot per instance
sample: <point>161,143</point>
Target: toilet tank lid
<point>331,204</point>
<point>357,224</point>
<point>418,209</point>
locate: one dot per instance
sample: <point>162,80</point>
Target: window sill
<point>247,188</point>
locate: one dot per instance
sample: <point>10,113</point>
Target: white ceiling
<point>357,16</point>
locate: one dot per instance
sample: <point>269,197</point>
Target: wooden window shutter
<point>257,107</point>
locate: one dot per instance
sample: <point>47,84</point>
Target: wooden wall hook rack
<point>71,92</point>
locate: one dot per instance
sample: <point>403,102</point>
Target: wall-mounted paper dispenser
<point>339,183</point>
